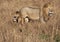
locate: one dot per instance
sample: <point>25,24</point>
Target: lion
<point>48,11</point>
<point>29,13</point>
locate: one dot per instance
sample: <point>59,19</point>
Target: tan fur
<point>46,9</point>
<point>31,13</point>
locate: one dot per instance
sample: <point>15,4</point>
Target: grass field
<point>32,31</point>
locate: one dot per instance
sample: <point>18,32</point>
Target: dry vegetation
<point>32,31</point>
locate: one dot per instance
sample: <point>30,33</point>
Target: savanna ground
<point>30,32</point>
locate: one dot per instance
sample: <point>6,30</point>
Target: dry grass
<point>31,32</point>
